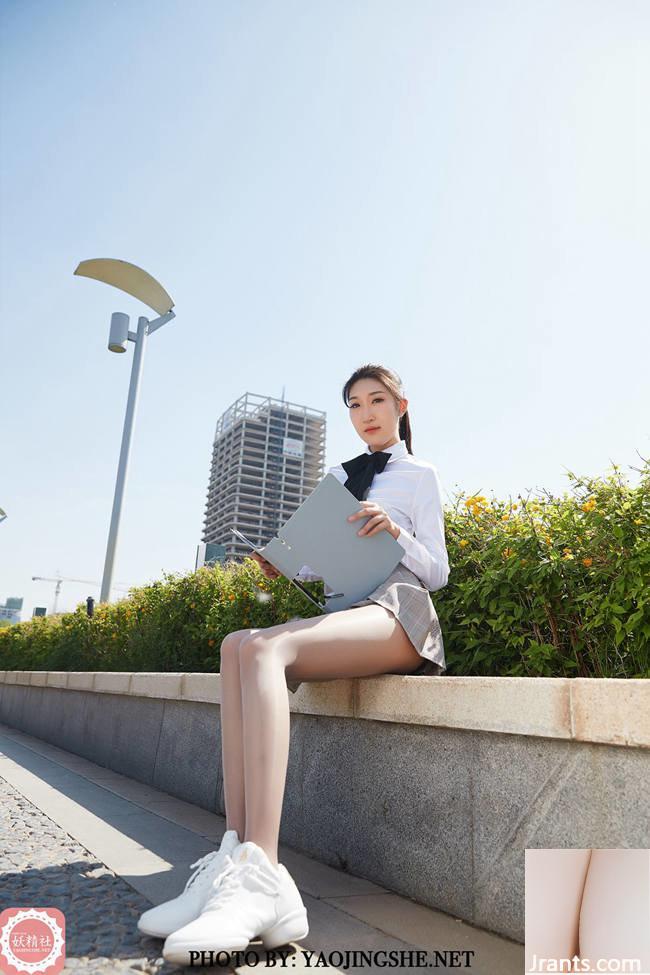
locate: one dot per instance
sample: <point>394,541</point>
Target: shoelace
<point>203,864</point>
<point>231,880</point>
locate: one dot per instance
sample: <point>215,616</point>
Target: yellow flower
<point>514,507</point>
<point>637,521</point>
<point>588,505</point>
<point>507,552</point>
<point>463,542</point>
<point>504,517</point>
<point>587,562</point>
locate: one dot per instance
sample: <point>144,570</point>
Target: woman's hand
<point>269,570</point>
<point>378,520</point>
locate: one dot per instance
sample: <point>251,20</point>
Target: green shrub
<point>551,587</point>
<point>174,625</point>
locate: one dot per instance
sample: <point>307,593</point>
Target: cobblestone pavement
<point>43,866</point>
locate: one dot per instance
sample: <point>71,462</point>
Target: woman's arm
<point>426,555</point>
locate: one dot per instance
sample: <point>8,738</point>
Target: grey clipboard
<point>294,582</point>
<point>318,534</point>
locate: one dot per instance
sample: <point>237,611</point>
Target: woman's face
<point>371,405</point>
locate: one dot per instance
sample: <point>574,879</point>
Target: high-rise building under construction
<point>268,455</point>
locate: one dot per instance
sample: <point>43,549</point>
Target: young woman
<point>241,892</point>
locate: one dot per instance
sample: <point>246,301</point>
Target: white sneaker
<point>252,899</point>
<point>162,920</point>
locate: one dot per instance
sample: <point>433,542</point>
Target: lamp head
<point>129,278</point>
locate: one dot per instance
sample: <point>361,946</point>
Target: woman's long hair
<point>393,384</point>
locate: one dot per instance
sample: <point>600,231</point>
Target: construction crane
<point>60,579</point>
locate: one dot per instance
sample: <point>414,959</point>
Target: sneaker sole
<point>180,955</point>
<point>293,927</point>
<point>143,929</point>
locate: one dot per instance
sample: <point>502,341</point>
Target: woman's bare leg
<point>356,642</point>
<point>232,741</point>
<point>554,884</point>
<point>615,911</point>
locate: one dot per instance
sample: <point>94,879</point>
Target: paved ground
<point>43,866</point>
<point>103,848</point>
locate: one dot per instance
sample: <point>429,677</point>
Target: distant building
<point>10,610</point>
<point>268,455</point>
<point>209,553</point>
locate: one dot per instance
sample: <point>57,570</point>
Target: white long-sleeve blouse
<point>410,492</point>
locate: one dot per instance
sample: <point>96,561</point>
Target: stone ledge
<point>605,710</point>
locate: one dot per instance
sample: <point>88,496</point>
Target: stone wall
<point>430,786</point>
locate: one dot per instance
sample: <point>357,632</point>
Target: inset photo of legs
<point>587,911</point>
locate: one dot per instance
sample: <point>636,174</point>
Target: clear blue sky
<point>459,190</point>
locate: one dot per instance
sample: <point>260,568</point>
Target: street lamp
<point>134,281</point>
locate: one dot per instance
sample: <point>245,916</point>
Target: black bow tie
<point>362,469</point>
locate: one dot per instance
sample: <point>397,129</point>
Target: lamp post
<point>134,281</point>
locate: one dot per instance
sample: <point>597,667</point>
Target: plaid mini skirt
<point>403,594</point>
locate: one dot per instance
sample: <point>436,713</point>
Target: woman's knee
<point>231,645</point>
<point>256,649</point>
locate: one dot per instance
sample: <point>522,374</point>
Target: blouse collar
<point>395,450</point>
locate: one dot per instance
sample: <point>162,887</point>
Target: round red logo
<point>32,941</point>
